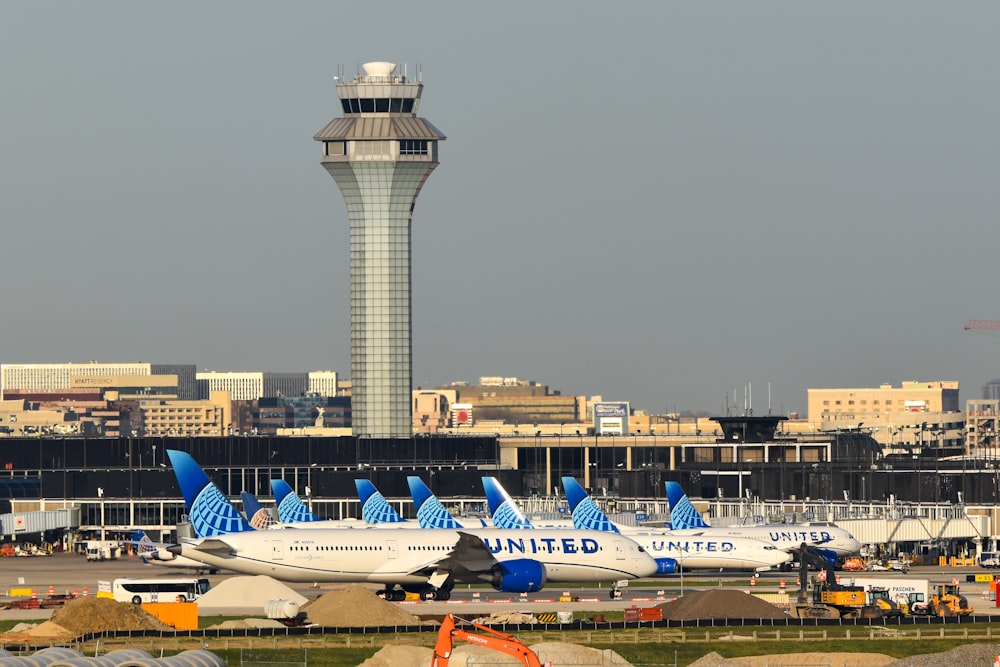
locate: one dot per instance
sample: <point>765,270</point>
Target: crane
<point>487,637</point>
<point>982,325</point>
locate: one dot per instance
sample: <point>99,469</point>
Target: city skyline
<point>660,203</point>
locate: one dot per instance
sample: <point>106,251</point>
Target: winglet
<point>430,512</point>
<point>585,512</point>
<point>291,509</point>
<point>374,507</point>
<point>503,509</point>
<point>682,513</point>
<point>210,512</point>
<point>257,514</point>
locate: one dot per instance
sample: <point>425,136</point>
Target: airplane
<point>151,553</point>
<point>428,562</point>
<point>430,512</point>
<point>290,507</point>
<point>256,514</point>
<point>505,512</point>
<point>375,509</point>
<point>828,539</point>
<point>674,551</point>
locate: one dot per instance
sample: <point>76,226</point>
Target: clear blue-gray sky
<point>658,202</point>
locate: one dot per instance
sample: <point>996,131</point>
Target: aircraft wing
<point>213,546</point>
<point>468,557</point>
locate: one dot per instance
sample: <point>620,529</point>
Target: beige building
<point>913,416</point>
<point>188,418</point>
<point>982,428</point>
<point>28,378</point>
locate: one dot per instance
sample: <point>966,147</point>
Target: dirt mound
<point>84,615</point>
<point>355,607</point>
<point>467,655</point>
<point>719,603</point>
<point>49,629</point>
<point>794,659</point>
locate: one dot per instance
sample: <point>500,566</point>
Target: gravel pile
<point>719,603</point>
<point>355,607</point>
<point>970,654</point>
<point>247,592</point>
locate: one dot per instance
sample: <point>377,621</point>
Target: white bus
<point>138,591</point>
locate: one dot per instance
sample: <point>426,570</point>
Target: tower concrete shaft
<point>380,154</point>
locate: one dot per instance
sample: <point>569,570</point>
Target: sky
<point>658,202</point>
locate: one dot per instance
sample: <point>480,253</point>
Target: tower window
<point>377,105</point>
<point>413,147</point>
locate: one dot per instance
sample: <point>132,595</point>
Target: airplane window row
<point>364,547</point>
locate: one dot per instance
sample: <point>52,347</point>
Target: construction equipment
<point>945,600</point>
<point>829,599</point>
<point>486,636</point>
<point>878,597</point>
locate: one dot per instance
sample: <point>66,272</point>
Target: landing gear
<point>391,594</point>
<point>429,594</point>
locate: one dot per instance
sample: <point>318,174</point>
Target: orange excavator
<point>486,636</point>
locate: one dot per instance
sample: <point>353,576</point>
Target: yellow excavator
<point>878,597</point>
<point>828,599</point>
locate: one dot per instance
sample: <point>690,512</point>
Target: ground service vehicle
<point>912,592</point>
<point>988,559</point>
<point>138,591</point>
<point>487,637</point>
<point>828,599</point>
<point>946,600</point>
<point>103,550</point>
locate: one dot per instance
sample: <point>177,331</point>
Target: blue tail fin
<point>430,512</point>
<point>503,509</point>
<point>291,509</point>
<point>374,507</point>
<point>209,511</point>
<point>257,514</point>
<point>144,547</point>
<point>585,512</point>
<point>682,512</point>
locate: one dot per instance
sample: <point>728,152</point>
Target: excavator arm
<point>486,636</point>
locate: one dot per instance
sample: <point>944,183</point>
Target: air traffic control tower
<point>380,154</point>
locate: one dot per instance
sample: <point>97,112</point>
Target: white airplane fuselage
<point>786,538</point>
<point>390,556</point>
<point>698,551</point>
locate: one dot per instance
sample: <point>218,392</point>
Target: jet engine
<point>518,576</point>
<point>666,566</point>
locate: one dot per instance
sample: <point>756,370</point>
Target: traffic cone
<point>781,586</point>
<point>753,581</point>
<point>34,594</point>
<point>85,593</point>
<point>76,593</point>
<point>52,591</point>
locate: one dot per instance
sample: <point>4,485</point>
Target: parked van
<point>988,559</point>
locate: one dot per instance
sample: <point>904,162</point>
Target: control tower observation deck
<point>380,154</point>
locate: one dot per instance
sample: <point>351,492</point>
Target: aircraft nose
<point>646,566</point>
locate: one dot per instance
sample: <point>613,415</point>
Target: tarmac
<point>67,573</point>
